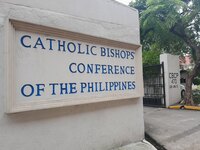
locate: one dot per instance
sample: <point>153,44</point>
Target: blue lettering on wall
<point>50,43</point>
<point>92,50</point>
<point>73,89</point>
<point>69,49</point>
<point>83,86</point>
<point>40,88</point>
<point>53,85</point>
<point>72,47</point>
<point>61,45</point>
<point>72,70</point>
<point>39,43</point>
<point>81,68</point>
<point>29,87</point>
<point>22,41</point>
<point>100,69</point>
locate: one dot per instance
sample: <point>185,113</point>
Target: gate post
<point>171,78</point>
<point>163,74</point>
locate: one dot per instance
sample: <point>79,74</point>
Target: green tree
<point>151,57</point>
<point>172,26</point>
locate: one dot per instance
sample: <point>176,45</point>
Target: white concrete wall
<point>172,78</point>
<point>101,18</point>
<point>98,126</point>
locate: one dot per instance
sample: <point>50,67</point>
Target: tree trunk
<point>188,90</point>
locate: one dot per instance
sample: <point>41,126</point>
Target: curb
<point>142,145</point>
<point>184,107</point>
<point>153,142</point>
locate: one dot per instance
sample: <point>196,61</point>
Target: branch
<point>147,31</point>
<point>176,32</point>
<point>187,40</point>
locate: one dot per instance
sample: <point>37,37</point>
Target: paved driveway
<point>174,129</point>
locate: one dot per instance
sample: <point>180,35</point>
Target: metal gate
<point>154,85</point>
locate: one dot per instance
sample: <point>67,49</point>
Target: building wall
<point>95,126</point>
<point>101,18</point>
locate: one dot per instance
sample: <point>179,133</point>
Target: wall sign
<point>50,69</point>
<point>173,80</point>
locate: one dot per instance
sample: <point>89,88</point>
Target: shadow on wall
<point>71,111</point>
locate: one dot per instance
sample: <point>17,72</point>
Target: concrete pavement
<point>174,129</point>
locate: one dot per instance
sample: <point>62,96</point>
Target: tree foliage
<point>172,26</point>
<point>151,57</point>
<point>196,81</point>
<point>163,22</point>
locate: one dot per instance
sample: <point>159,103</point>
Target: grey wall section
<point>98,126</point>
<point>100,18</point>
<point>104,10</point>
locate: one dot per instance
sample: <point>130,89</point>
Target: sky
<point>126,2</point>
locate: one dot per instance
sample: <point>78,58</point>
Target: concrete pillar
<point>172,78</point>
